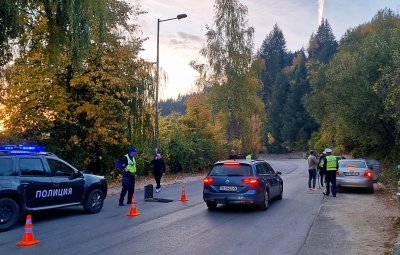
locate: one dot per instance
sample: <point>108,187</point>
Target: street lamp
<point>180,16</point>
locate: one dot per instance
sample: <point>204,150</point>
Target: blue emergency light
<point>22,148</point>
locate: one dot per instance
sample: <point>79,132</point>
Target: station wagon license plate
<point>351,173</point>
<point>228,188</point>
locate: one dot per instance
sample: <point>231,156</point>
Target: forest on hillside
<point>73,81</point>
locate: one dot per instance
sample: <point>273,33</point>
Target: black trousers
<point>312,175</point>
<point>331,182</point>
<point>321,174</point>
<point>157,177</point>
<point>128,185</point>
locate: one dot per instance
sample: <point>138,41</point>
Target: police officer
<point>127,164</point>
<point>331,166</point>
<point>321,167</point>
<point>248,156</point>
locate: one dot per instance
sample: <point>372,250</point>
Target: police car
<point>32,179</point>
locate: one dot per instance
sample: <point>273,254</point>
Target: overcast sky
<point>181,40</point>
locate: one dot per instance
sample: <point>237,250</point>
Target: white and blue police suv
<point>34,180</point>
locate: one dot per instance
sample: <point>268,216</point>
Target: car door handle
<point>24,184</point>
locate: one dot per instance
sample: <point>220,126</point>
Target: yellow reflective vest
<point>131,164</point>
<point>331,163</point>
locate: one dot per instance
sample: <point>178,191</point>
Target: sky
<point>181,40</point>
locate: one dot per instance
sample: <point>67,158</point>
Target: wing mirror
<point>278,173</point>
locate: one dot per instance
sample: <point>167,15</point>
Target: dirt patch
<point>371,221</point>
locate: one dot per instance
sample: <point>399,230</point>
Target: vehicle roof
<point>241,161</point>
<point>22,154</point>
<point>356,159</point>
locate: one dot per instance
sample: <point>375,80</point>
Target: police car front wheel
<point>94,201</point>
<point>9,213</point>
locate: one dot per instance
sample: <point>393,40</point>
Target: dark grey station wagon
<point>252,182</point>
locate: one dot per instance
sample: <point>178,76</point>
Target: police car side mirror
<point>77,175</point>
<point>278,173</point>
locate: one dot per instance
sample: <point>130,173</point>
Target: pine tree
<point>323,45</point>
<point>298,125</point>
<point>275,85</point>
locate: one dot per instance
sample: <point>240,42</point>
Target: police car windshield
<point>224,170</point>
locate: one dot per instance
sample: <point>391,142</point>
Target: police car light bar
<point>22,148</point>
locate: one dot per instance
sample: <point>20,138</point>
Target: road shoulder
<point>354,222</point>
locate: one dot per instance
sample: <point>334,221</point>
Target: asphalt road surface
<point>179,228</point>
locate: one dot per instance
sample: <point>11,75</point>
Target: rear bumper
<point>250,197</point>
<point>354,182</point>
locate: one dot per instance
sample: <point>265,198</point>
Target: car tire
<point>9,213</point>
<point>371,190</point>
<point>211,205</point>
<point>265,203</point>
<point>280,196</point>
<point>94,201</point>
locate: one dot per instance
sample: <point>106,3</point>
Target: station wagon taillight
<point>208,180</point>
<point>252,181</point>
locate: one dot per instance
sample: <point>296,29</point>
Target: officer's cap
<point>328,150</point>
<point>132,149</point>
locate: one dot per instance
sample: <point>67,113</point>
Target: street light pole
<point>157,133</point>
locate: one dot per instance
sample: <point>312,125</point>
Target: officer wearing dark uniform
<point>127,164</point>
<point>321,168</point>
<point>331,166</point>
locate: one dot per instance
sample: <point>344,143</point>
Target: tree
<point>297,123</point>
<point>275,85</point>
<point>323,45</point>
<point>235,74</point>
<point>87,114</point>
<point>70,25</point>
<point>352,94</point>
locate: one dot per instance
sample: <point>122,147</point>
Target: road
<point>179,228</point>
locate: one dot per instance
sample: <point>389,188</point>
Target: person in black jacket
<point>159,169</point>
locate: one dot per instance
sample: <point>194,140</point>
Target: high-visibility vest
<point>331,163</point>
<point>248,157</point>
<point>321,163</point>
<point>131,164</point>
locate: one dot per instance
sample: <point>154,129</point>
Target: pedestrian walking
<point>331,166</point>
<point>158,170</point>
<point>312,170</point>
<point>127,164</point>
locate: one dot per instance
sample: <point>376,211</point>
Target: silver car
<point>355,173</point>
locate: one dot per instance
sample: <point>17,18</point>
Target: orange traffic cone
<point>133,211</point>
<point>183,196</point>
<point>28,238</point>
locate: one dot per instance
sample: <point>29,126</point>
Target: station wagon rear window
<point>352,164</point>
<point>231,170</point>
